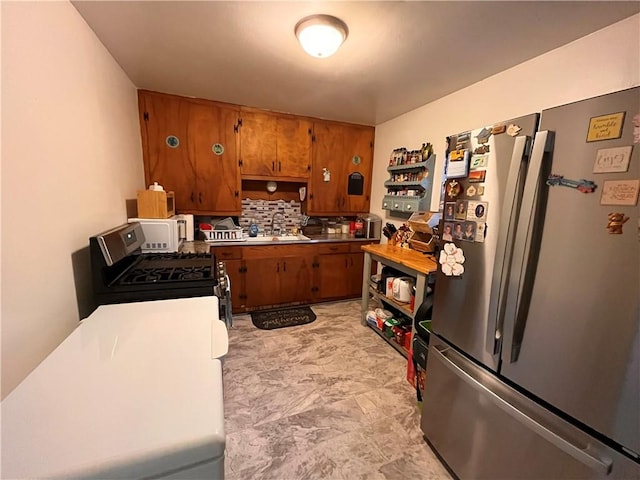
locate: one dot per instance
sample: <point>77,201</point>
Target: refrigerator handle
<point>520,278</point>
<point>504,247</point>
<point>463,368</point>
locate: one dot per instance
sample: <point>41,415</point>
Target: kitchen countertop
<point>420,262</point>
<point>199,246</point>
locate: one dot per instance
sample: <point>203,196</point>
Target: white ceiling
<point>398,56</point>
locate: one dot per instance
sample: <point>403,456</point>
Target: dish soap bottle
<point>253,228</point>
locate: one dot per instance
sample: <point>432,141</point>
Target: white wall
<point>600,63</point>
<point>71,155</point>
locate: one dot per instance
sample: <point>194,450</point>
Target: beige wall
<point>603,62</point>
<point>71,155</point>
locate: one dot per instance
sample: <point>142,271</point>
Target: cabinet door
<point>261,282</point>
<point>258,137</point>
<point>333,275</point>
<point>358,145</point>
<point>166,160</point>
<point>293,147</point>
<point>326,197</point>
<point>294,279</point>
<point>354,283</point>
<point>212,146</point>
<point>334,149</point>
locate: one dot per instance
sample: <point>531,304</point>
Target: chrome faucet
<point>277,231</point>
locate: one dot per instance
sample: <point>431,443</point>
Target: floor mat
<point>283,317</point>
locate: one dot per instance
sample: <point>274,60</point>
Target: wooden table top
<point>420,262</point>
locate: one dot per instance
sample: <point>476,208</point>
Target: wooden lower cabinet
<point>278,275</point>
<point>270,276</point>
<point>339,272</point>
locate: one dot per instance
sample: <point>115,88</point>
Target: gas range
<point>122,274</point>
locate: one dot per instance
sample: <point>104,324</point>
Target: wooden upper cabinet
<point>294,147</point>
<point>359,143</point>
<point>190,147</point>
<point>164,121</point>
<point>258,135</point>
<point>212,146</point>
<point>274,146</point>
<point>341,150</point>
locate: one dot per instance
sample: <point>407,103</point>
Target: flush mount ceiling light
<point>321,35</point>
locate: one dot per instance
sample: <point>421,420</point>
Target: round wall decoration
<point>217,148</point>
<point>172,141</point>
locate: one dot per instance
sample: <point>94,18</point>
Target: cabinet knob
<point>397,206</point>
<point>384,205</point>
<point>408,207</point>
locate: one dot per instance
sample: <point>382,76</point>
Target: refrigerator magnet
<point>481,229</point>
<point>471,191</point>
<point>616,220</point>
<point>452,189</point>
<point>461,210</point>
<point>636,128</point>
<point>481,149</point>
<point>620,192</point>
<point>498,129</point>
<point>477,176</point>
<point>477,211</point>
<point>479,161</point>
<point>612,160</point>
<point>447,232</point>
<point>513,130</point>
<point>449,210</point>
<point>458,164</point>
<point>451,260</point>
<point>457,231</point>
<point>605,127</point>
<point>483,135</point>
<point>469,231</point>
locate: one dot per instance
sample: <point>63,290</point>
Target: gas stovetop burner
<point>166,274</point>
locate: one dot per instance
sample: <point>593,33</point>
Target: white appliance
<point>135,391</point>
<point>161,234</point>
<point>403,289</point>
<point>186,227</point>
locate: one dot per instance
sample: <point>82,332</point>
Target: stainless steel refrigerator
<point>533,369</point>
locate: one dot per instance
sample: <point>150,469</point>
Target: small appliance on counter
<point>372,225</point>
<point>162,235</point>
<point>403,289</point>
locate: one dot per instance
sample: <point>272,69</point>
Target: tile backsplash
<point>263,210</point>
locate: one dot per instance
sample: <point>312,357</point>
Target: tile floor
<point>326,400</point>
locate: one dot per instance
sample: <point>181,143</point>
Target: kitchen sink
<point>281,238</point>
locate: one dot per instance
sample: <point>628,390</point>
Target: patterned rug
<point>283,317</point>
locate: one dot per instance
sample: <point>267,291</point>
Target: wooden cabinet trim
<point>225,253</point>
<point>330,248</point>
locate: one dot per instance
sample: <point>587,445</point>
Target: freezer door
<point>572,335</point>
<point>483,429</point>
<point>467,309</point>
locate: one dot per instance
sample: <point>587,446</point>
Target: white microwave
<point>162,235</point>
